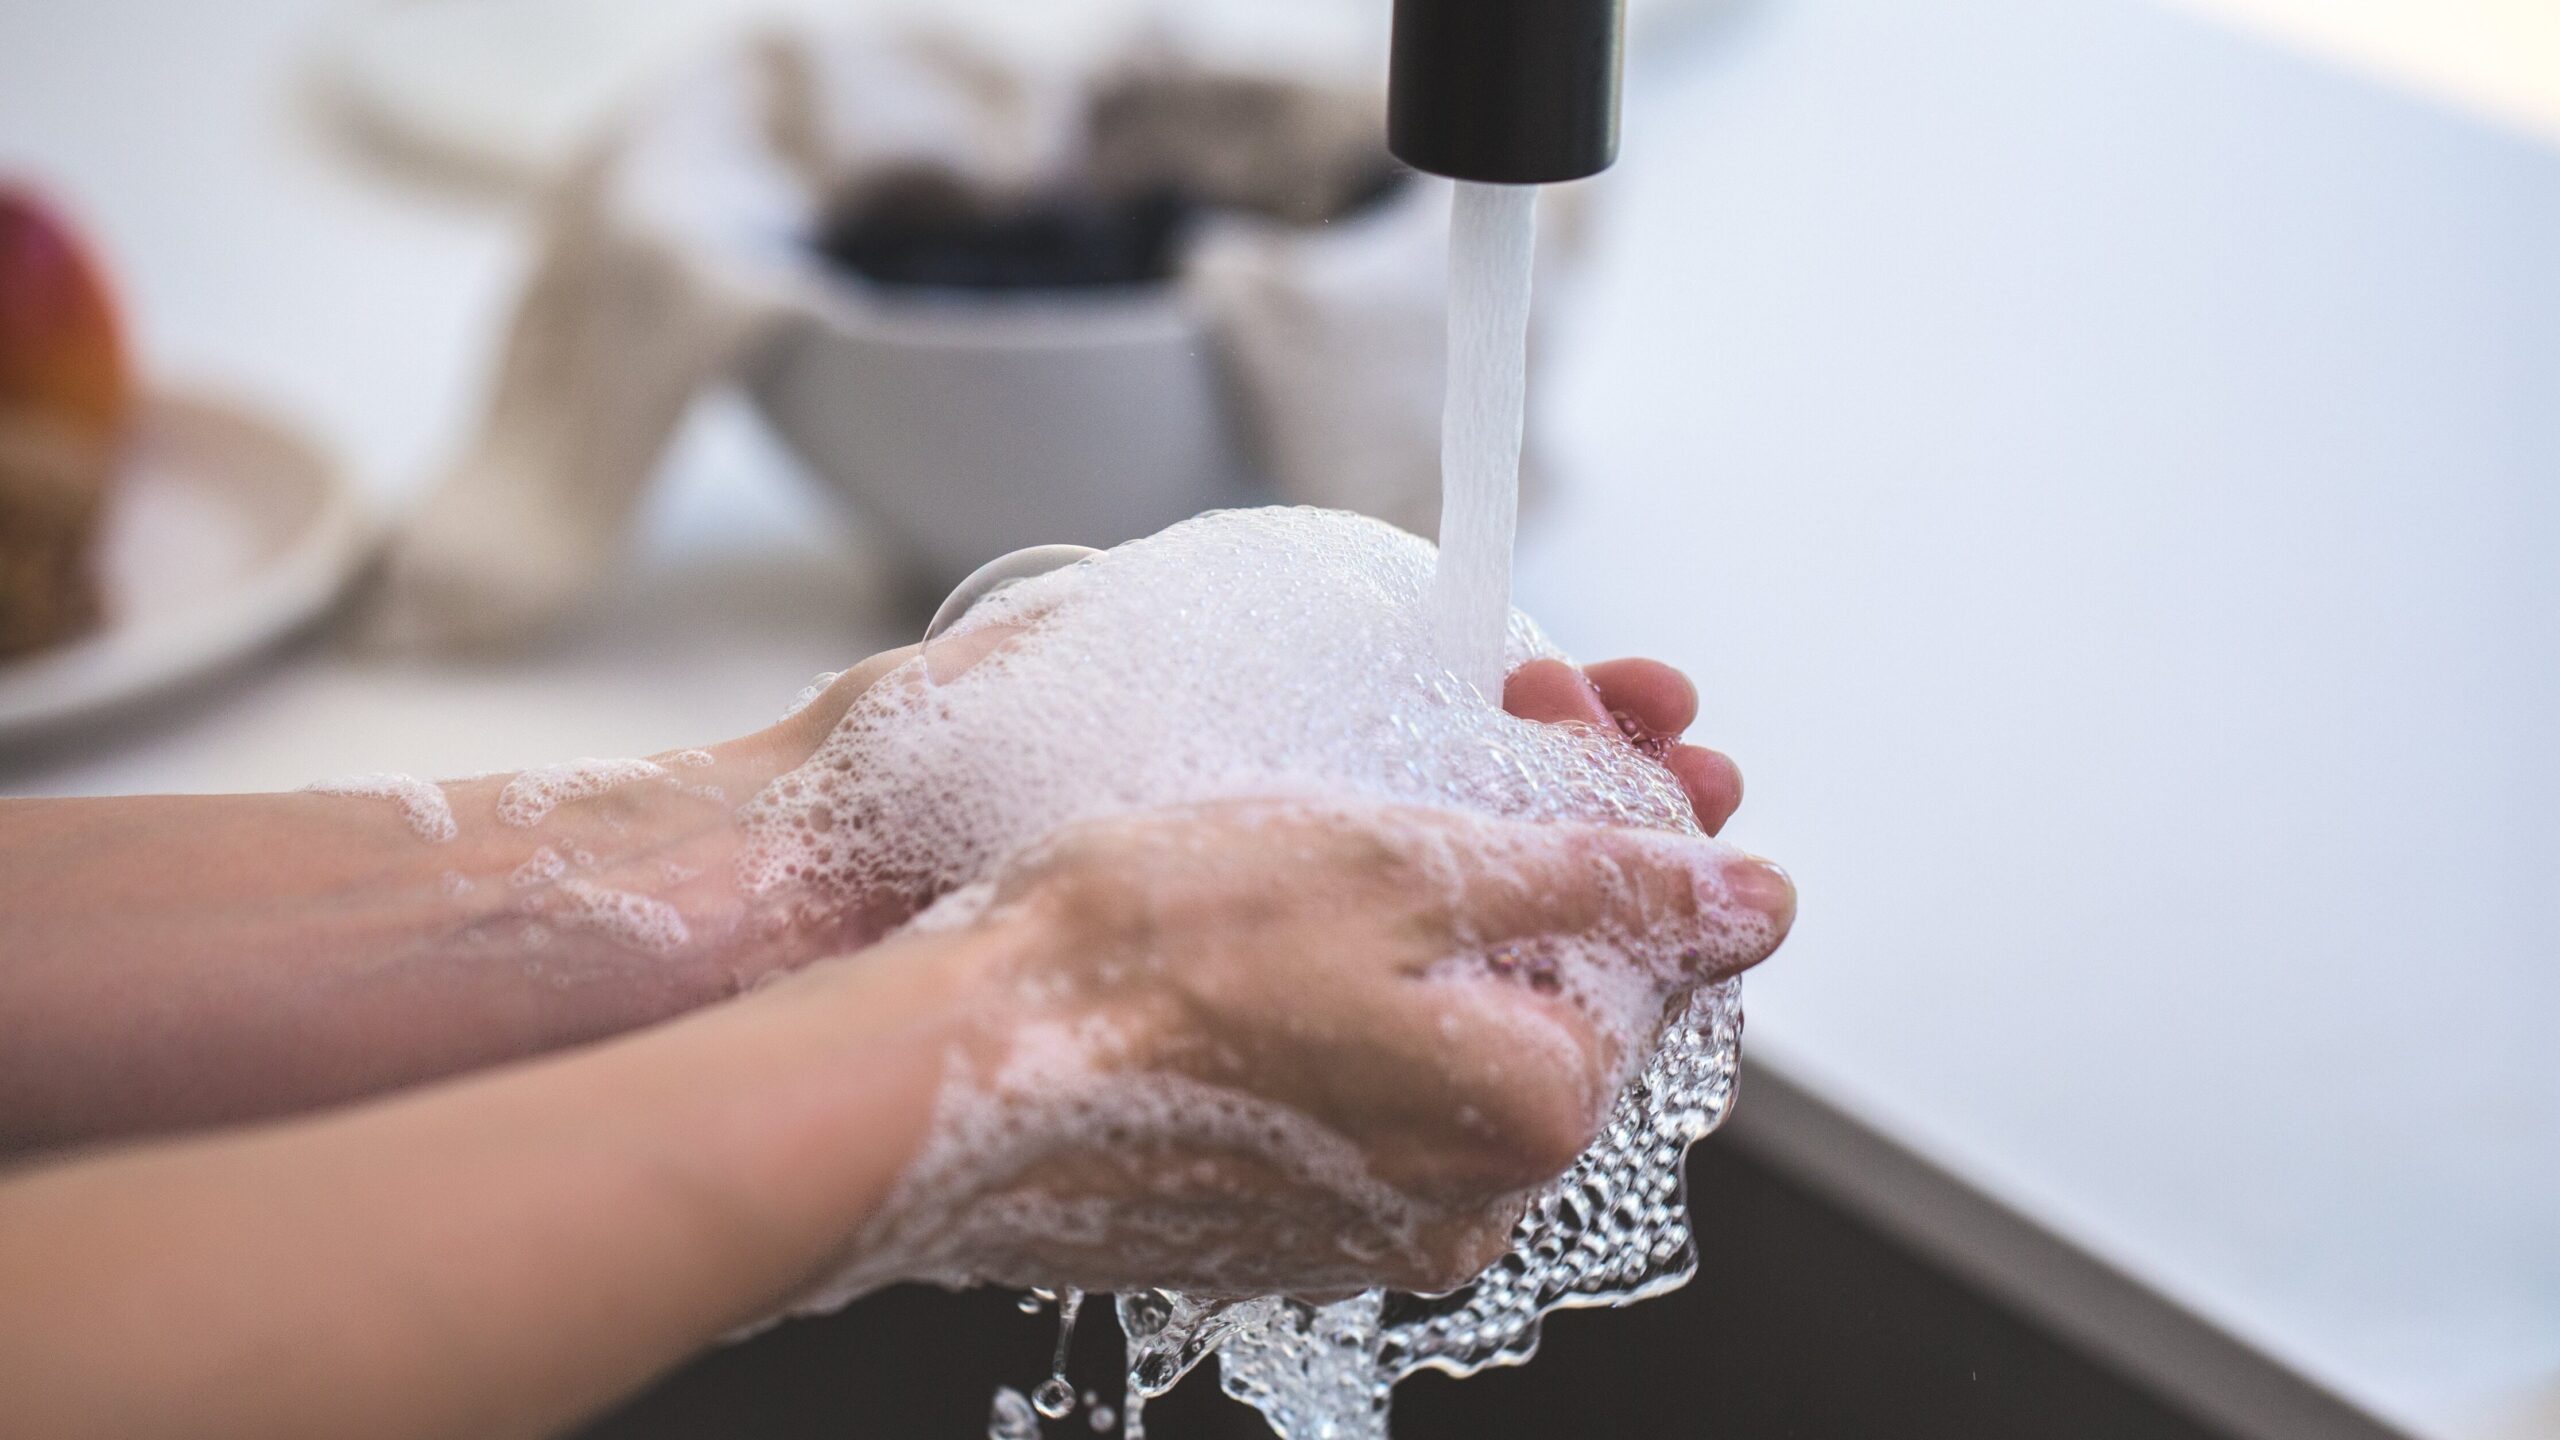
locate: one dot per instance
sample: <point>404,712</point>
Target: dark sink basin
<point>1806,1322</point>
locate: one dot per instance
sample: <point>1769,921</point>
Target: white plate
<point>225,532</point>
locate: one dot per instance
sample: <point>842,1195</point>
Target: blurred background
<point>2101,463</point>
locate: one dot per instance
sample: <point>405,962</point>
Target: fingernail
<point>1764,887</point>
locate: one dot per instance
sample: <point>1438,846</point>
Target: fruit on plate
<point>65,395</point>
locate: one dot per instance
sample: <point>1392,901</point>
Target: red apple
<point>64,396</point>
<point>62,355</point>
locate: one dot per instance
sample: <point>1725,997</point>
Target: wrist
<point>798,735</point>
<point>630,898</point>
<point>843,1067</point>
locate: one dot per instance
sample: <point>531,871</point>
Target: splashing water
<point>1613,1228</point>
<point>1056,1398</point>
<point>936,787</point>
<point>1381,670</point>
<point>1011,1417</point>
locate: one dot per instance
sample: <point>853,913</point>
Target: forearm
<point>491,1256</point>
<point>170,961</point>
<point>180,960</point>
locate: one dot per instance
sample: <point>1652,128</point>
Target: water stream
<point>1615,1227</point>
<point>1492,240</point>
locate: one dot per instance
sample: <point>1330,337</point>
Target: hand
<point>1645,701</point>
<point>324,952</point>
<point>1239,951</point>
<point>307,949</point>
<point>1256,1046</point>
<point>675,842</point>
<point>1333,984</point>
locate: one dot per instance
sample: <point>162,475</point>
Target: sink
<point>1845,1291</point>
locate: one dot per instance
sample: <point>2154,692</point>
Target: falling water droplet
<point>1054,1398</point>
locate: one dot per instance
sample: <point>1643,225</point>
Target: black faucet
<point>1511,92</point>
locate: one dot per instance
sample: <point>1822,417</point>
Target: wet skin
<point>503,1250</point>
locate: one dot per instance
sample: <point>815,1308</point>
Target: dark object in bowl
<point>924,228</point>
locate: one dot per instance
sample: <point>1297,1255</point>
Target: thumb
<point>1714,909</point>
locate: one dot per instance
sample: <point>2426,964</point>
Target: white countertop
<point>2105,473</point>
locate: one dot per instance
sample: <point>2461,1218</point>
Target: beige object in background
<point>678,254</point>
<point>2496,58</point>
<point>508,90</point>
<point>623,321</point>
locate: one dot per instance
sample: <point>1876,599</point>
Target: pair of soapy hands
<point>1299,957</point>
<point>613,1170</point>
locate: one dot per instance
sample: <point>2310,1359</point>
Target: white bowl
<point>968,424</point>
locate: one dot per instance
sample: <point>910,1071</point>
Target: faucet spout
<point>1507,92</point>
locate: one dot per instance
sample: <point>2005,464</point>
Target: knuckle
<point>1551,1146</point>
<point>1545,1130</point>
<point>1459,1254</point>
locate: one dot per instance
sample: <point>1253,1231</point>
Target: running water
<point>1614,1227</point>
<point>945,783</point>
<point>1492,237</point>
<point>1116,699</point>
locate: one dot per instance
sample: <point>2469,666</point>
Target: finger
<point>951,655</point>
<point>812,721</point>
<point>1711,780</point>
<point>1763,889</point>
<point>1552,692</point>
<point>1475,1088</point>
<point>1652,700</point>
<point>1456,1082</point>
<point>946,659</point>
<point>1722,910</point>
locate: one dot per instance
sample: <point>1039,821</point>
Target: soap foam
<point>1284,656</point>
<point>1243,654</point>
<point>540,868</point>
<point>534,794</point>
<point>422,802</point>
<point>641,922</point>
<point>810,692</point>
